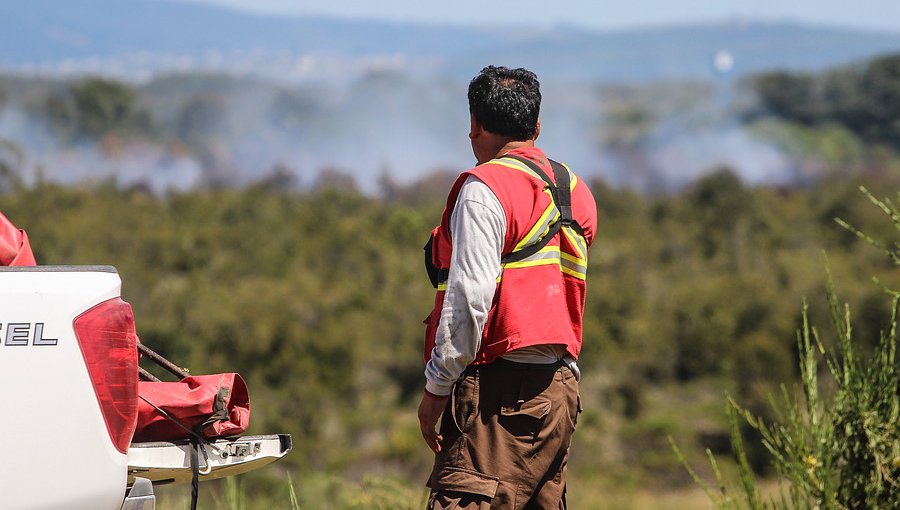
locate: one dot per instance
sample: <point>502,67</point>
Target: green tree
<point>864,99</point>
<point>789,95</point>
<point>106,106</point>
<point>95,107</point>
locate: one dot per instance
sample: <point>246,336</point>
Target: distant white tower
<point>723,61</point>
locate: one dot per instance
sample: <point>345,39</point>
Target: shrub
<point>836,444</point>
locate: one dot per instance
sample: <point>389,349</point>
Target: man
<point>509,261</point>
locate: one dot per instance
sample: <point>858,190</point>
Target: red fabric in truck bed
<point>15,249</point>
<point>216,405</point>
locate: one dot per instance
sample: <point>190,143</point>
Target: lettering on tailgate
<point>24,333</point>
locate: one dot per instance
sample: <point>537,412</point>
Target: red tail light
<point>107,339</point>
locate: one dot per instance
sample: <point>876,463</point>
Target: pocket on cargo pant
<point>461,488</point>
<point>525,418</point>
<point>464,402</point>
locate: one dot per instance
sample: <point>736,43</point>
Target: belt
<point>516,365</point>
<point>505,364</point>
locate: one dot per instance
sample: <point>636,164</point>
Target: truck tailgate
<point>170,462</point>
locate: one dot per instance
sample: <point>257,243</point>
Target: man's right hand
<point>430,410</point>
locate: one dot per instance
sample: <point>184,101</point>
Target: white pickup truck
<point>68,400</point>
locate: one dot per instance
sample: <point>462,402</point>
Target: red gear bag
<point>210,406</point>
<point>15,250</point>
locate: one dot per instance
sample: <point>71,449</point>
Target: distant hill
<point>137,38</point>
<point>47,30</point>
<point>133,35</point>
<point>688,51</point>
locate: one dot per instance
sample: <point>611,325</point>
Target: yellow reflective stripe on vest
<point>574,266</point>
<point>551,255</point>
<point>516,165</point>
<point>546,256</point>
<point>540,229</point>
<point>577,241</point>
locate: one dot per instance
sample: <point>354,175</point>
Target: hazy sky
<point>871,14</point>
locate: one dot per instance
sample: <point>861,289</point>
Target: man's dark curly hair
<point>506,101</point>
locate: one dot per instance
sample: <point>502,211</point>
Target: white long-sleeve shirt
<point>478,230</point>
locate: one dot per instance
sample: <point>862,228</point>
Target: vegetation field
<point>315,293</point>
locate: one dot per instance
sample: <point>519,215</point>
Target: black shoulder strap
<point>436,275</point>
<point>562,197</point>
<point>562,192</point>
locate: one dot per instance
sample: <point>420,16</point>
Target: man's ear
<point>475,128</point>
<point>537,130</point>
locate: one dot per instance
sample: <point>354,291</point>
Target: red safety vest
<point>540,293</point>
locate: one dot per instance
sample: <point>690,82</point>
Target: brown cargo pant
<point>506,434</point>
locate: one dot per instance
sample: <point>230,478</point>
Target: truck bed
<point>164,462</point>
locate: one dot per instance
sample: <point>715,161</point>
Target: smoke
<point>221,130</point>
<point>131,164</point>
<point>680,156</point>
<point>127,162</point>
<point>26,130</point>
<point>666,140</point>
<point>380,124</point>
